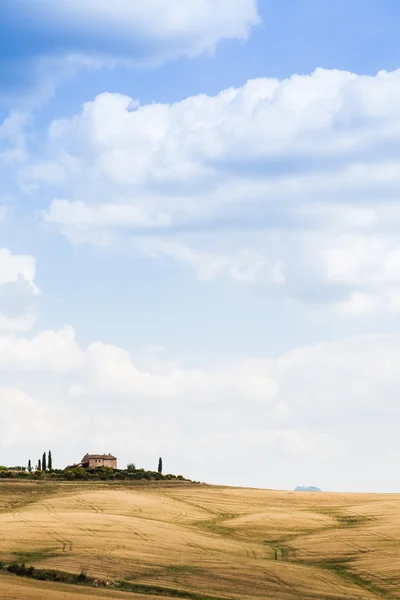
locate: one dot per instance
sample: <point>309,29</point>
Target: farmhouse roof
<point>109,456</point>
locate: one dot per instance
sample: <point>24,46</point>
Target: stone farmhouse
<point>93,461</point>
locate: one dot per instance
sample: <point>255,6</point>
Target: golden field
<point>12,588</point>
<point>216,541</point>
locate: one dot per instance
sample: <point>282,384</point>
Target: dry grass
<point>12,588</point>
<point>229,542</point>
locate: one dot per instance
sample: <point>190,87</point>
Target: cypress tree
<point>39,466</point>
<point>50,461</point>
<point>160,465</point>
<point>44,461</point>
<point>29,466</point>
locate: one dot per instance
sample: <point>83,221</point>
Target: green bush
<point>17,569</point>
<point>79,473</point>
<point>82,577</point>
<point>48,575</point>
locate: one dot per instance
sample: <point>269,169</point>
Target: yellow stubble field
<point>217,541</point>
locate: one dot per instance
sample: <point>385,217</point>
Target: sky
<point>200,251</point>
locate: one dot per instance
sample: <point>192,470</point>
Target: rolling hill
<point>200,541</point>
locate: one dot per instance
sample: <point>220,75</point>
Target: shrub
<point>17,569</point>
<point>82,577</point>
<point>45,575</point>
<point>78,473</point>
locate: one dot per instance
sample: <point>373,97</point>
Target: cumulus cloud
<point>14,267</point>
<point>287,133</point>
<point>55,351</point>
<point>110,371</point>
<point>291,183</point>
<point>243,264</point>
<point>18,291</point>
<point>295,413</point>
<point>13,138</point>
<point>82,222</point>
<point>28,418</point>
<point>53,41</point>
<point>183,28</point>
<point>17,324</point>
<point>354,379</point>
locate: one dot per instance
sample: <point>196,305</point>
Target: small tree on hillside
<point>160,465</point>
<point>44,466</point>
<point>39,465</point>
<point>29,466</point>
<point>50,461</point>
<point>131,467</point>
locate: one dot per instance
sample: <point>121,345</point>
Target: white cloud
<point>82,223</point>
<point>18,291</point>
<point>18,324</point>
<point>358,304</point>
<point>198,24</point>
<point>13,138</point>
<point>296,413</point>
<point>368,266</point>
<point>294,135</point>
<point>243,265</point>
<point>14,267</point>
<point>140,32</point>
<point>47,351</point>
<point>292,182</point>
<point>58,39</point>
<point>363,259</point>
<point>29,419</point>
<point>312,382</point>
<point>109,370</point>
<point>353,378</point>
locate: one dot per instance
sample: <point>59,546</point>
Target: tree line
<point>131,467</point>
<point>46,464</point>
<point>43,464</point>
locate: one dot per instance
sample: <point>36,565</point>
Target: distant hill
<point>303,488</point>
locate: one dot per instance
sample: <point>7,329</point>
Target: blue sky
<point>199,253</point>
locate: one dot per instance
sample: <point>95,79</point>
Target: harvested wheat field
<point>211,541</point>
<point>12,588</point>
